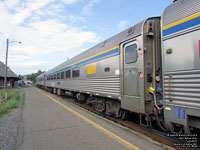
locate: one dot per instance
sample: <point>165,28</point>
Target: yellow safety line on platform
<point>112,135</point>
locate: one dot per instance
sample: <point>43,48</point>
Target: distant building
<point>11,76</point>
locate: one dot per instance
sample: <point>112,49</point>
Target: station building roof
<point>10,73</point>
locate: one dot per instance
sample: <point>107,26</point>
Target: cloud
<point>46,42</point>
<point>122,24</point>
<point>5,20</point>
<point>74,19</point>
<point>88,8</point>
<point>32,6</point>
<point>11,3</point>
<point>49,42</point>
<point>19,17</point>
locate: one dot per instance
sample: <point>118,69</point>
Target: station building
<point>11,76</point>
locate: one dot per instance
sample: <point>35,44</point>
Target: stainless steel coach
<point>120,69</point>
<point>152,68</point>
<point>181,64</point>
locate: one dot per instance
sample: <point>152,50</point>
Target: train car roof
<point>115,40</point>
<point>41,75</point>
<point>180,10</point>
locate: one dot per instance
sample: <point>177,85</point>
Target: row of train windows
<point>130,57</point>
<point>66,74</point>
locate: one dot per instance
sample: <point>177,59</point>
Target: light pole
<point>6,64</point>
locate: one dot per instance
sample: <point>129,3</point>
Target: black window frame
<point>68,73</point>
<point>127,55</point>
<point>107,69</point>
<point>62,75</point>
<point>58,75</point>
<point>76,73</point>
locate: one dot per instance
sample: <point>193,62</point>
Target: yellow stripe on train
<point>181,21</point>
<point>89,57</point>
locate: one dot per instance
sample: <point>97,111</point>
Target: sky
<point>52,31</point>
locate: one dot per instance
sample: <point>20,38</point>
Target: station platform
<point>51,123</point>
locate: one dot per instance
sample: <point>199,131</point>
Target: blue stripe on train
<point>89,60</point>
<point>182,26</point>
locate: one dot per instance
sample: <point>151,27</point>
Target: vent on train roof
<point>130,31</point>
<point>103,43</point>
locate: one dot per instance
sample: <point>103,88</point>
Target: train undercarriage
<point>112,107</point>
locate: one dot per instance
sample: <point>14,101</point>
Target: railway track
<point>155,135</point>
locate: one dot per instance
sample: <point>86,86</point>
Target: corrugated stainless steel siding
<point>180,10</point>
<point>40,82</point>
<point>109,86</point>
<point>182,89</point>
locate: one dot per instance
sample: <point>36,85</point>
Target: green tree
<point>33,76</point>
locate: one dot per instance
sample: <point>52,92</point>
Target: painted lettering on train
<point>91,69</point>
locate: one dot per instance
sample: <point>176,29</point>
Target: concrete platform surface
<point>51,123</point>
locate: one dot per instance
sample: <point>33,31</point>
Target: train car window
<point>75,73</point>
<point>68,73</point>
<point>54,77</point>
<point>58,75</point>
<point>62,75</point>
<point>51,77</point>
<point>107,69</point>
<point>131,54</point>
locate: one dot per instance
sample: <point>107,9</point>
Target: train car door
<point>130,79</point>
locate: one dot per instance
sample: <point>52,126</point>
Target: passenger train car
<point>152,69</point>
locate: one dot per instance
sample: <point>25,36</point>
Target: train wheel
<point>176,128</point>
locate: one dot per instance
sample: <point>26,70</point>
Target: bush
<point>11,102</point>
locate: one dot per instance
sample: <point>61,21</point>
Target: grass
<point>10,103</point>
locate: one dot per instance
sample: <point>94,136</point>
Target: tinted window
<point>68,73</point>
<point>51,77</point>
<point>107,69</point>
<point>54,76</point>
<point>75,73</point>
<point>131,54</point>
<point>58,75</point>
<point>62,75</point>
